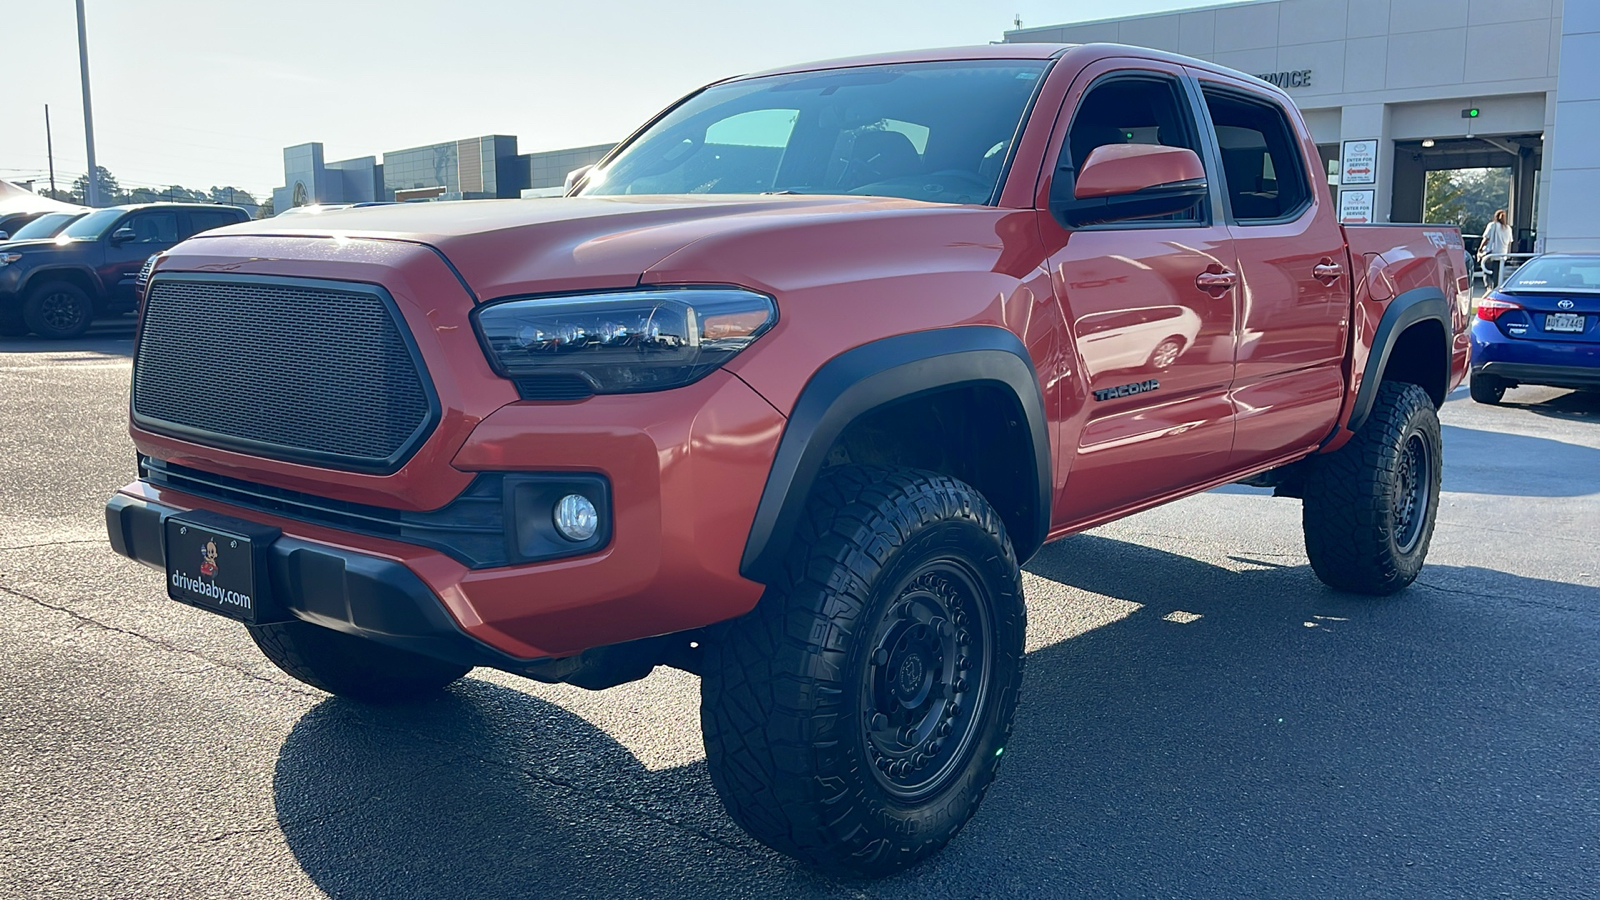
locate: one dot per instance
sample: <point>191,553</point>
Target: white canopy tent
<point>14,199</point>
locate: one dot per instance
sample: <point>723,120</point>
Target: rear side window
<point>1137,110</point>
<point>1261,161</point>
<point>205,220</point>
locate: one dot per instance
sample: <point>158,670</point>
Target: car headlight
<point>623,342</point>
<point>7,259</point>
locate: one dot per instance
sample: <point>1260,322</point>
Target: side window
<point>1136,110</point>
<point>205,220</point>
<point>1261,159</point>
<point>150,227</point>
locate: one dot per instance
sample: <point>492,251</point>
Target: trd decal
<point>1127,390</point>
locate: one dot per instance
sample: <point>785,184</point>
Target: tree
<point>110,191</point>
<point>267,210</point>
<point>233,196</point>
<point>1443,203</point>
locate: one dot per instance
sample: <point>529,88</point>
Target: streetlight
<point>88,113</point>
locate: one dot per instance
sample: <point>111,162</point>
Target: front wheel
<point>58,310</point>
<point>350,666</point>
<point>1369,506</point>
<point>856,717</point>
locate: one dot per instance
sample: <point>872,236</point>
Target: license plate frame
<point>219,564</point>
<point>1564,323</point>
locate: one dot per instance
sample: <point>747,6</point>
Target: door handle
<point>1216,281</point>
<point>1327,271</point>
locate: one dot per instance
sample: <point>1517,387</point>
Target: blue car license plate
<point>1568,322</point>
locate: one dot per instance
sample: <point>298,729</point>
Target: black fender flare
<point>882,372</point>
<point>97,291</point>
<point>1416,305</point>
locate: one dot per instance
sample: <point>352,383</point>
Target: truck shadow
<point>1280,739</point>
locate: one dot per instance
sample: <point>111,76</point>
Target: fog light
<point>576,518</point>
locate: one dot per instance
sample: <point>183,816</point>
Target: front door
<point>142,234</point>
<point>1151,305</point>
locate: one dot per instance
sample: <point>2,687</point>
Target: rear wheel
<point>1486,388</point>
<point>350,666</point>
<point>58,310</point>
<point>1369,506</point>
<point>856,717</point>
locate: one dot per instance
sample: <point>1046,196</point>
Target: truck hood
<point>507,247</point>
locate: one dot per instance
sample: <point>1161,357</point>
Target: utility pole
<point>88,111</point>
<point>50,152</point>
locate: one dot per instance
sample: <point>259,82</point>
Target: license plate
<point>1563,322</point>
<point>218,563</point>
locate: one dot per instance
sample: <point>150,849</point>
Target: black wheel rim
<point>1413,492</point>
<point>926,680</point>
<point>60,311</point>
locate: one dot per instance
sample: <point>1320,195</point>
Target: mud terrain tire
<point>350,666</point>
<point>856,717</point>
<point>1370,506</point>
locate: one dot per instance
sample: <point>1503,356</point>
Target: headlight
<point>623,342</point>
<point>7,259</point>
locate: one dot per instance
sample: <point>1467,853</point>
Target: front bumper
<point>685,474</point>
<point>367,596</point>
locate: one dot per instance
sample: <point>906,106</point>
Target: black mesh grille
<point>321,373</point>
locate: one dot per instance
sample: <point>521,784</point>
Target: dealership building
<point>1392,89</point>
<point>469,169</point>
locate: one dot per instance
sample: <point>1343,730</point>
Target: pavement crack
<point>1520,601</point>
<point>43,544</point>
<point>83,620</point>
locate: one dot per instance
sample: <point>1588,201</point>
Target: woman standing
<point>1497,238</point>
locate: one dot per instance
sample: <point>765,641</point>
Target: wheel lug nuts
<point>907,734</point>
<point>964,663</point>
<point>906,611</point>
<point>877,721</point>
<point>933,747</point>
<point>880,656</point>
<point>944,729</point>
<point>961,685</point>
<point>964,636</point>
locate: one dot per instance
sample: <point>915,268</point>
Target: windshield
<point>1557,273</point>
<point>45,226</point>
<point>94,224</point>
<point>939,132</point>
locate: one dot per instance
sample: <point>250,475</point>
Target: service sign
<point>1355,207</point>
<point>1360,163</point>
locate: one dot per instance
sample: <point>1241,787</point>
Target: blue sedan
<point>1542,326</point>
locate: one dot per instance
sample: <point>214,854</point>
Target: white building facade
<point>1392,89</point>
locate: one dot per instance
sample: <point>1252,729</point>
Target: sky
<point>209,92</point>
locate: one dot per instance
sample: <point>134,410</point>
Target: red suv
<point>783,393</point>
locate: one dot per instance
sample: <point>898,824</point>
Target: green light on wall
<point>1469,113</point>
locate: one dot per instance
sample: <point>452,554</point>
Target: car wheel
<point>1166,353</point>
<point>856,717</point>
<point>1369,506</point>
<point>350,666</point>
<point>1486,388</point>
<point>58,310</point>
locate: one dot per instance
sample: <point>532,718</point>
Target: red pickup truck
<point>783,393</point>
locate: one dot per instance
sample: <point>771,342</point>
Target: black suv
<point>56,287</point>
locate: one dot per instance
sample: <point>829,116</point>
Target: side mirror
<point>575,176</point>
<point>122,235</point>
<point>1129,181</point>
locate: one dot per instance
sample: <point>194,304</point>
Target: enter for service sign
<point>1360,163</point>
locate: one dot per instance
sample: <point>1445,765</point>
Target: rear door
<point>1294,299</point>
<point>198,220</point>
<point>1147,411</point>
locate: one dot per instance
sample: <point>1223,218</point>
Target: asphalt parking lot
<point>1201,717</point>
